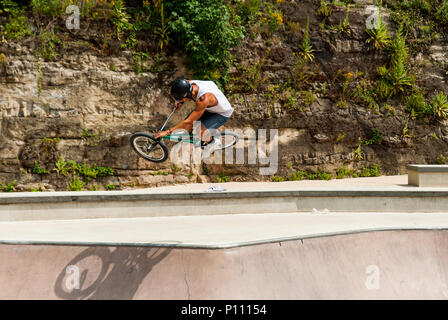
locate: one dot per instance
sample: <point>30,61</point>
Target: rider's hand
<point>162,134</point>
<point>178,104</point>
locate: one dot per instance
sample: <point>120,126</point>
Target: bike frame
<point>180,137</point>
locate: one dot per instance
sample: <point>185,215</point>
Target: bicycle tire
<point>154,143</point>
<point>229,134</point>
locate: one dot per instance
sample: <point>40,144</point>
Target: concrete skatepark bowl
<point>343,254</point>
<point>412,265</point>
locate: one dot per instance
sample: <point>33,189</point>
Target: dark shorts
<point>211,120</point>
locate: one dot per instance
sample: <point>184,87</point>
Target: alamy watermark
<point>259,150</point>
<point>373,277</point>
<point>72,21</point>
<point>72,282</point>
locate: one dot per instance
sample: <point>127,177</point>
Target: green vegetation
<point>344,172</point>
<point>91,137</point>
<point>305,48</point>
<point>50,145</point>
<point>441,159</point>
<point>395,79</point>
<point>206,30</point>
<point>48,41</point>
<point>110,187</point>
<point>376,138</point>
<point>8,187</point>
<point>277,179</point>
<point>357,154</point>
<point>344,25</point>
<point>373,171</point>
<point>39,74</point>
<point>76,185</point>
<point>38,170</point>
<point>222,178</point>
<point>3,59</point>
<point>16,26</point>
<point>319,175</point>
<point>93,187</point>
<point>85,171</point>
<point>325,9</point>
<point>340,137</point>
<point>439,106</point>
<point>379,35</point>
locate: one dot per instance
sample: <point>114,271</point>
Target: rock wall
<point>83,106</point>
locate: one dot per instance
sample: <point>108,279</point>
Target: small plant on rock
<point>306,49</point>
<point>439,106</point>
<point>9,187</point>
<point>76,185</point>
<point>37,169</point>
<point>379,35</point>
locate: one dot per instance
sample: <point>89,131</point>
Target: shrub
<point>324,10</point>
<point>298,175</point>
<point>38,170</point>
<point>222,178</point>
<point>110,187</point>
<point>278,179</point>
<point>249,11</point>
<point>379,36</point>
<point>373,171</point>
<point>48,42</point>
<point>206,31</point>
<point>344,172</point>
<point>49,7</point>
<point>416,105</point>
<point>120,17</point>
<point>8,7</point>
<point>9,187</point>
<point>442,12</point>
<point>76,185</point>
<point>396,79</point>
<point>16,28</point>
<point>320,175</point>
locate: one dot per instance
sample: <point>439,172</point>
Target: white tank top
<point>223,107</point>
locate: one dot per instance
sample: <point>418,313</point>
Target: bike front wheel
<point>149,147</point>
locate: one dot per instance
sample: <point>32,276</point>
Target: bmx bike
<point>155,150</point>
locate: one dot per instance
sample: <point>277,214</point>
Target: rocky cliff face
<point>83,105</point>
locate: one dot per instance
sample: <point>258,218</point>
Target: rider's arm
<point>202,103</point>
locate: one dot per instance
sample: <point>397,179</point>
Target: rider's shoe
<point>213,145</point>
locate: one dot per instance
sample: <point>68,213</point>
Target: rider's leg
<point>211,122</point>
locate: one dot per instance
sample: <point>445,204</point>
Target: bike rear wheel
<point>228,139</point>
<point>148,147</point>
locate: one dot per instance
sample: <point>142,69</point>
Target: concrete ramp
<point>410,264</point>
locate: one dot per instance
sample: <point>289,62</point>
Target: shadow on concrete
<point>107,273</point>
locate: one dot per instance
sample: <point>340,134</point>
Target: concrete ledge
<point>128,204</point>
<point>428,175</point>
<point>427,167</point>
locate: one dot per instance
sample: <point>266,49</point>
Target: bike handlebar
<point>166,121</point>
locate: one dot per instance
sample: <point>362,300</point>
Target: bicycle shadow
<point>122,271</point>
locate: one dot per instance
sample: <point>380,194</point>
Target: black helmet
<point>181,88</point>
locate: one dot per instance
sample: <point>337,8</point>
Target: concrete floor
<point>217,231</point>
